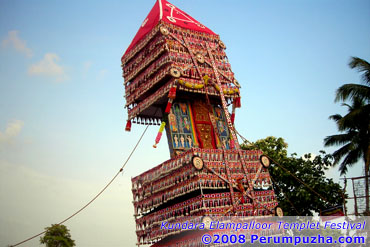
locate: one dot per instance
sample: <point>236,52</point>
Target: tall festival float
<point>177,76</point>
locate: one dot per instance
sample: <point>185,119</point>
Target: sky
<point>62,113</point>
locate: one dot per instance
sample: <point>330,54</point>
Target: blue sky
<point>61,98</point>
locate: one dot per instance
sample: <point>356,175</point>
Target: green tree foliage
<point>355,125</point>
<point>294,197</point>
<point>57,236</point>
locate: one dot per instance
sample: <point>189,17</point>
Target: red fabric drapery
<point>168,13</point>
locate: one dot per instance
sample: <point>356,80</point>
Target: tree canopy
<point>57,236</point>
<point>302,188</point>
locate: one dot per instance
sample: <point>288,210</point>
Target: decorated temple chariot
<point>177,76</point>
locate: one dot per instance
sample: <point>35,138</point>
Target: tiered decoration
<point>194,184</point>
<point>162,57</point>
<point>177,74</point>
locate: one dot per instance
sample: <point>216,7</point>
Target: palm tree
<point>355,125</point>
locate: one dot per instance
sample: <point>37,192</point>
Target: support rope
<point>92,200</point>
<point>287,171</point>
<point>286,197</point>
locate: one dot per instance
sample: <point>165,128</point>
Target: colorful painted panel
<point>181,127</point>
<point>222,129</point>
<point>203,124</point>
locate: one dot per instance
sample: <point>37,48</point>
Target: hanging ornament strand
<point>234,140</point>
<point>159,135</point>
<point>195,61</point>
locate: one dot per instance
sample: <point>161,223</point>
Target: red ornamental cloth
<point>166,12</point>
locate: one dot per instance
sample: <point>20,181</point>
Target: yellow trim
<point>228,91</point>
<point>206,78</point>
<point>191,85</point>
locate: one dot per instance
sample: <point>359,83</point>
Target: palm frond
<point>350,159</point>
<point>362,66</point>
<point>340,139</point>
<point>341,152</point>
<point>336,117</point>
<point>351,91</point>
<point>348,105</point>
<point>354,120</point>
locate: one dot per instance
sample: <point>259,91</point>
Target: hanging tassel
<point>159,135</point>
<point>237,103</point>
<point>172,93</point>
<point>128,126</point>
<point>168,107</point>
<point>233,114</point>
<point>232,117</point>
<point>171,96</point>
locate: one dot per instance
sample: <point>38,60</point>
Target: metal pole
<point>354,194</point>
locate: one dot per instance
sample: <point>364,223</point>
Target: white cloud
<point>13,128</point>
<point>19,45</point>
<point>102,74</point>
<point>48,66</point>
<point>86,66</point>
